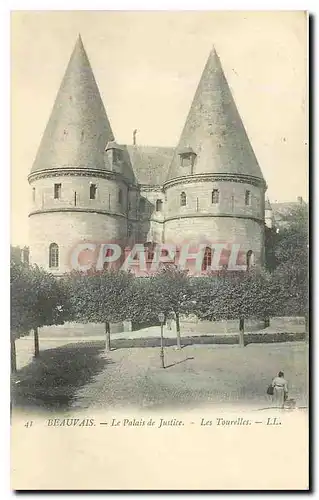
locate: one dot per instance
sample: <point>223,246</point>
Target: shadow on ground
<point>51,380</point>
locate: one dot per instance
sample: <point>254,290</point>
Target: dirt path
<point>194,376</point>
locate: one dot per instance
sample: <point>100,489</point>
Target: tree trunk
<point>241,332</point>
<point>13,355</point>
<point>36,342</point>
<point>178,332</point>
<point>107,336</point>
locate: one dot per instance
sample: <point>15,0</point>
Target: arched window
<point>53,255</point>
<point>215,196</point>
<point>33,194</point>
<point>207,261</point>
<point>183,199</point>
<point>159,205</point>
<point>120,196</point>
<point>249,259</point>
<point>247,197</point>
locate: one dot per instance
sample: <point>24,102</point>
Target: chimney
<point>134,137</point>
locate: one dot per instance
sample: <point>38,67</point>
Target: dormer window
<point>114,152</point>
<point>187,157</point>
<point>116,155</point>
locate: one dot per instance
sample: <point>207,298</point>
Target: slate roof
<point>214,129</point>
<point>150,163</point>
<point>78,129</point>
<point>78,133</point>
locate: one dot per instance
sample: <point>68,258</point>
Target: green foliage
<point>169,290</point>
<point>290,277</point>
<point>291,246</point>
<point>100,297</point>
<point>37,299</point>
<point>233,295</point>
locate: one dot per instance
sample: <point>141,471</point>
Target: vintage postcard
<point>159,251</point>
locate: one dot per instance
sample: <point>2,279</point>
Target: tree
<point>291,249</point>
<point>233,295</point>
<point>100,297</point>
<point>48,302</point>
<point>208,296</point>
<point>169,291</point>
<point>20,306</point>
<point>37,299</point>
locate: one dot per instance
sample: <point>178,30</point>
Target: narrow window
<point>33,194</point>
<point>75,198</point>
<point>249,259</point>
<point>93,190</point>
<point>183,199</point>
<point>57,191</point>
<point>207,261</point>
<point>248,198</point>
<point>129,230</point>
<point>159,205</point>
<point>142,205</point>
<point>149,250</point>
<point>215,196</point>
<point>53,255</point>
<point>120,197</point>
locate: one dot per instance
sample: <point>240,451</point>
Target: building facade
<point>86,187</point>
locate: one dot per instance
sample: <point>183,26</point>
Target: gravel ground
<point>196,375</point>
<point>82,375</point>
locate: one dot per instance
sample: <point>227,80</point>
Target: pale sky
<point>147,66</point>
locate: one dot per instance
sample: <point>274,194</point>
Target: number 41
<point>28,424</point>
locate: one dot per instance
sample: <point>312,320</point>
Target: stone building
<point>86,187</point>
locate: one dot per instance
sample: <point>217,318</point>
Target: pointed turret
<point>78,128</point>
<point>214,131</point>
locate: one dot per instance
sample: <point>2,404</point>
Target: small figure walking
<point>280,387</point>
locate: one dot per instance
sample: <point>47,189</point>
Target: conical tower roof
<point>78,128</point>
<point>214,130</point>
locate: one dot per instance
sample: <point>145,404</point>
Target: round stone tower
<point>79,189</point>
<point>215,190</point>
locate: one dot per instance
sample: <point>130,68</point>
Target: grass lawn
<point>82,375</point>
